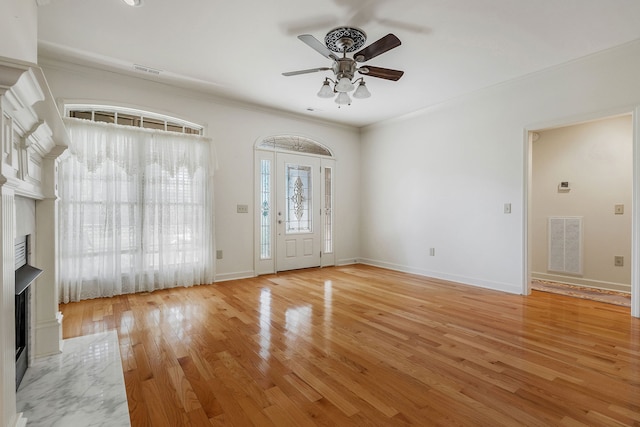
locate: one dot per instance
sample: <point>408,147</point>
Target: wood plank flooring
<point>363,346</point>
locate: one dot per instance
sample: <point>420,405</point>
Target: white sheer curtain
<point>135,211</point>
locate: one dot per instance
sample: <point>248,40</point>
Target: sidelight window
<point>265,209</point>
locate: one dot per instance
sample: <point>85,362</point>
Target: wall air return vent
<point>565,245</point>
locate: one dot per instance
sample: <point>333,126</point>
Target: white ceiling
<point>238,49</point>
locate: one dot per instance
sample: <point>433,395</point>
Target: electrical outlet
<point>242,208</point>
<point>618,209</point>
<point>618,261</point>
<point>218,254</point>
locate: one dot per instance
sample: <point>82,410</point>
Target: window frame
<point>159,121</point>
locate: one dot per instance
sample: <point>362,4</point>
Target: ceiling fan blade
<point>317,23</point>
<point>406,26</point>
<point>310,70</point>
<point>316,45</point>
<point>382,73</point>
<point>376,48</point>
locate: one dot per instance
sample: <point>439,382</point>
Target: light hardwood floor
<point>362,346</point>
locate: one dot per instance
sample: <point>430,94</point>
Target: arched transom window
<point>132,117</point>
<point>297,144</point>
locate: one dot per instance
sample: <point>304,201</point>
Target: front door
<point>298,212</point>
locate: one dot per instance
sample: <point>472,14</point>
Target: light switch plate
<point>242,208</point>
<point>619,209</point>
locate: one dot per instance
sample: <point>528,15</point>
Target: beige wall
<point>596,159</point>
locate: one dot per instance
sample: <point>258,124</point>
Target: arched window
<point>136,203</point>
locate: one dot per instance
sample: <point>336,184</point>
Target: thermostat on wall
<point>563,187</point>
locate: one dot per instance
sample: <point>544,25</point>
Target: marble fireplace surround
<point>32,136</point>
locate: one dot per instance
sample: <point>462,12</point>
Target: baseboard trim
<point>496,286</point>
<point>579,281</point>
<point>235,276</point>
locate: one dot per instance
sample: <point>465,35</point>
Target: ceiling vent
<point>147,70</point>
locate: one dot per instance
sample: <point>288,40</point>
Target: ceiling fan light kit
<point>344,85</point>
<point>346,40</point>
<point>343,99</point>
<point>362,91</point>
<point>325,90</point>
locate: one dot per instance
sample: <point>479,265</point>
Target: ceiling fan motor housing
<point>344,67</point>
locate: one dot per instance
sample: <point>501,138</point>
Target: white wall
<point>235,129</point>
<point>26,216</point>
<point>19,30</point>
<point>440,177</point>
<point>596,159</point>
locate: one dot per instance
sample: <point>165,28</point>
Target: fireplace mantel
<point>32,136</point>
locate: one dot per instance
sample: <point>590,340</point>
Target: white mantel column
<point>48,320</point>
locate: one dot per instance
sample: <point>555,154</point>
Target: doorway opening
<point>294,182</point>
<point>580,212</point>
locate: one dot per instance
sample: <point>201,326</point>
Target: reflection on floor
<point>82,386</point>
<point>602,295</point>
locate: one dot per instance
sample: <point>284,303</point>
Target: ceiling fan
<point>343,40</point>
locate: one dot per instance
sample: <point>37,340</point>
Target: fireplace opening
<point>22,329</point>
<point>25,275</point>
